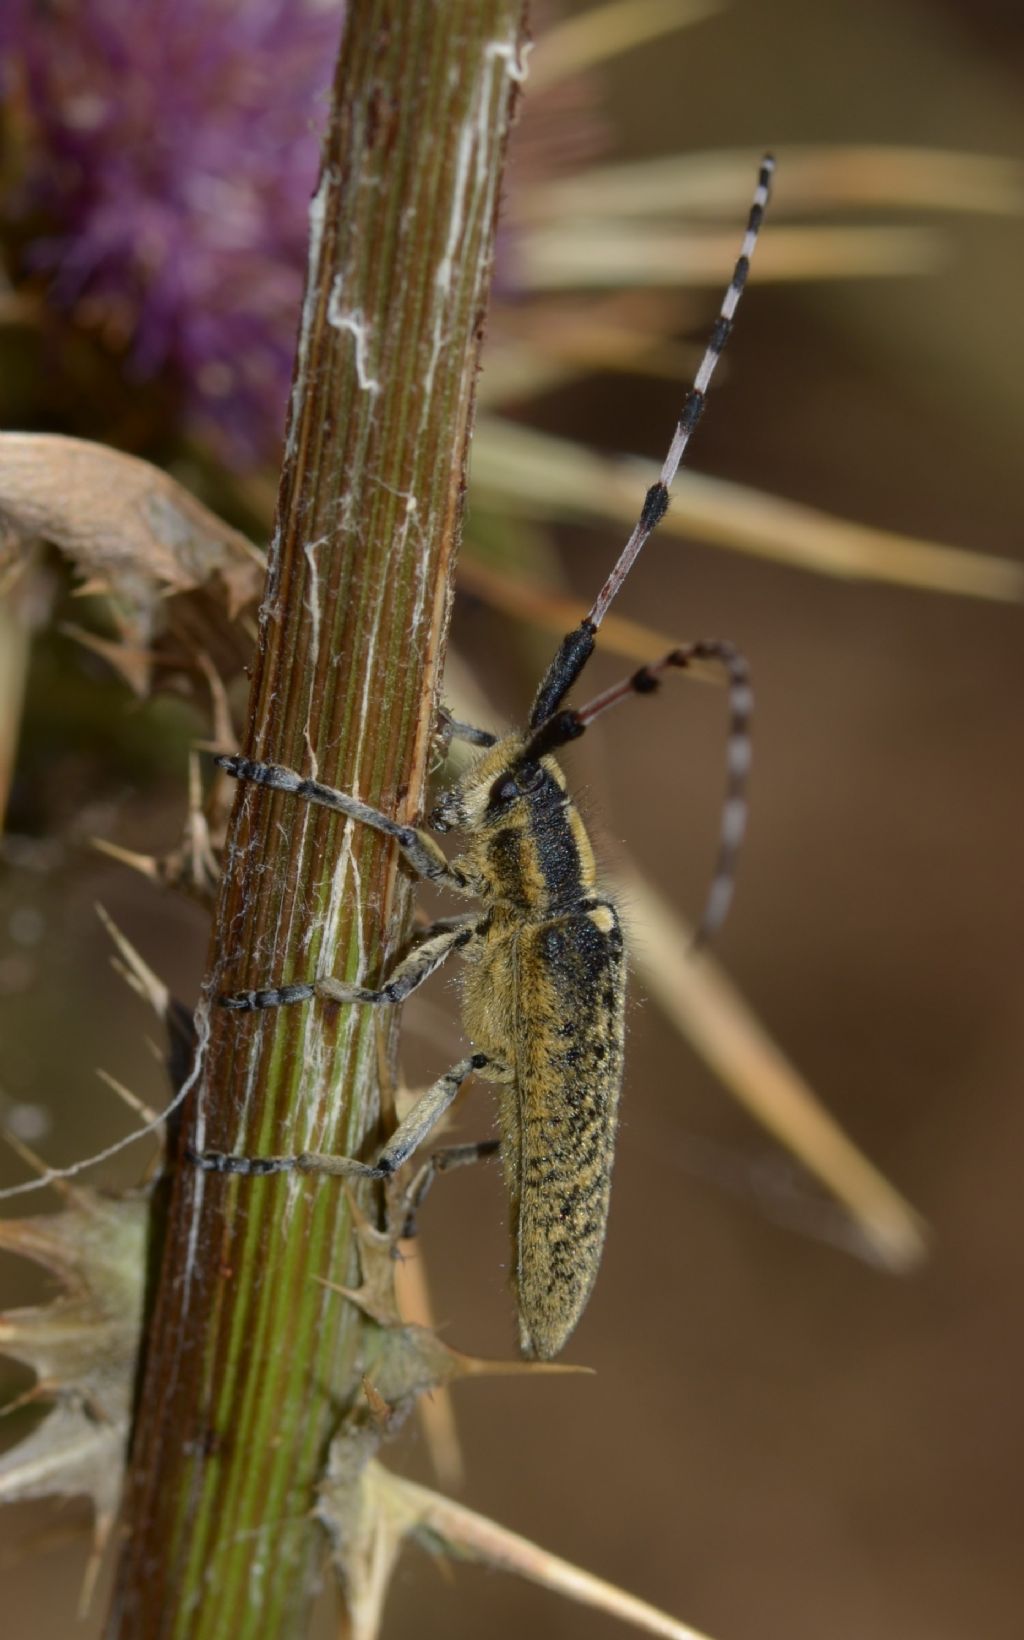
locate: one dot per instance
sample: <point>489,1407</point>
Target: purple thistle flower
<point>172,151</point>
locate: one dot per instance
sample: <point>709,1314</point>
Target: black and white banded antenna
<point>576,648</point>
<point>553,728</point>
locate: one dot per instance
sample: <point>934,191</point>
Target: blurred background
<point>783,1440</point>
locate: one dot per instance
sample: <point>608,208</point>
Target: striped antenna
<point>577,646</point>
<point>656,500</point>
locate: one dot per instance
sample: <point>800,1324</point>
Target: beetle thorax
<point>526,843</point>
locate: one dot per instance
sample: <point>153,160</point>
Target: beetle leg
<point>407,1138</point>
<point>419,849</point>
<point>441,1161</point>
<point>418,965</point>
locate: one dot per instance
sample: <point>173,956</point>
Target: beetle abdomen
<point>560,1116</point>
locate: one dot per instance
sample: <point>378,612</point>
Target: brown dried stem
<point>250,1359</point>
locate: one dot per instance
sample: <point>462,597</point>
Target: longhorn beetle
<point>543,993</point>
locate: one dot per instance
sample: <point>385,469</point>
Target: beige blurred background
<point>781,1442</point>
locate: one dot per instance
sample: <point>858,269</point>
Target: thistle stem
<point>251,1361</point>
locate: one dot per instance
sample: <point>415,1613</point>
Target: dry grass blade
<point>609,251</point>
<point>556,613</point>
<point>811,179</point>
<point>136,971</point>
<point>536,475</point>
<point>418,1512</point>
<point>554,340</point>
<point>127,1097</point>
<point>714,1018</point>
<point>606,31</point>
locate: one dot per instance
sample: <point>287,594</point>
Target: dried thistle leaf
<point>82,1347</point>
<point>85,1341</point>
<point>71,1454</point>
<point>365,1538</point>
<point>402,1359</point>
<point>369,1513</point>
<point>132,531</point>
<point>407,1361</point>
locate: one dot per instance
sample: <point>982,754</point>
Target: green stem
<point>251,1363</point>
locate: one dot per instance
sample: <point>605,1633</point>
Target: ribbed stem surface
<point>251,1362</point>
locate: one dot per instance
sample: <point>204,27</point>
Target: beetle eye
<point>503,791</point>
